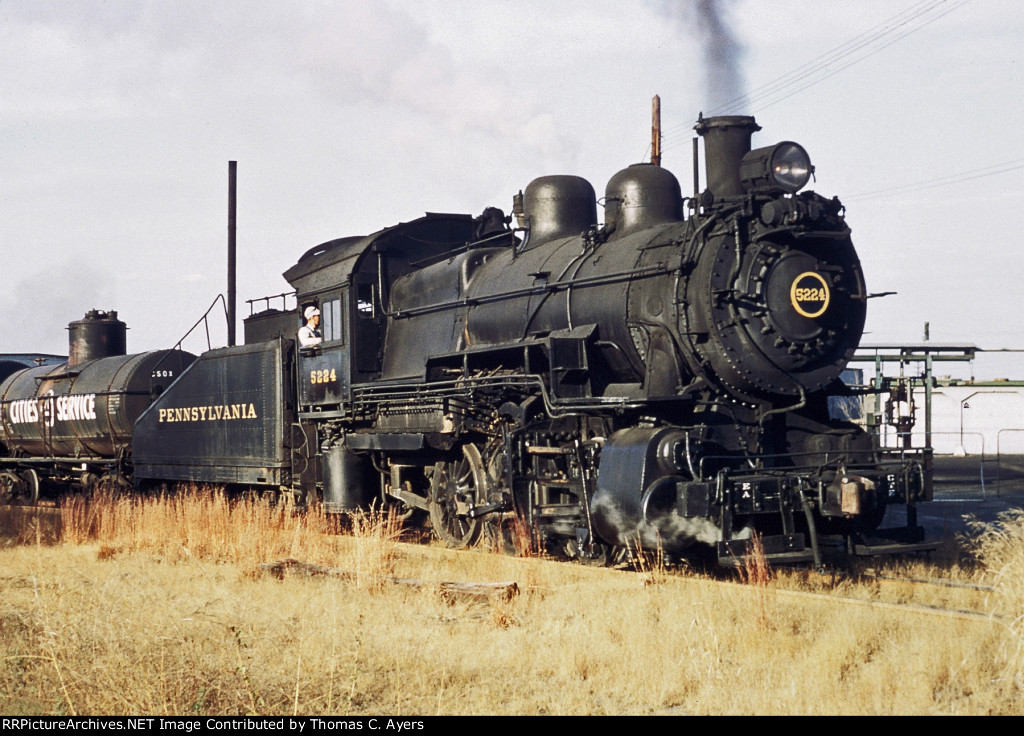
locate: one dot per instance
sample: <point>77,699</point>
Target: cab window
<point>332,328</point>
<point>364,301</point>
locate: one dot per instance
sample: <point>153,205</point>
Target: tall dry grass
<point>154,606</point>
<point>999,547</point>
<point>198,523</point>
<point>208,524</point>
<point>756,572</point>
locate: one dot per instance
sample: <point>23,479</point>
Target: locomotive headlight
<point>784,167</point>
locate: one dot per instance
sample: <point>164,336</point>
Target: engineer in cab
<point>309,333</point>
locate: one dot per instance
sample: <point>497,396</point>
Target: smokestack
<point>726,142</point>
<point>232,201</point>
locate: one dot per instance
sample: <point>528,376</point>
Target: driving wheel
<point>456,487</point>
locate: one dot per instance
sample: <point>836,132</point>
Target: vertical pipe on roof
<point>232,201</point>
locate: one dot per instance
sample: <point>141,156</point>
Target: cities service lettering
<point>50,409</point>
<point>218,412</point>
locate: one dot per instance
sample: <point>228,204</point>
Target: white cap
<point>311,312</point>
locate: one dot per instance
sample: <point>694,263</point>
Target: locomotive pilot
<point>309,334</point>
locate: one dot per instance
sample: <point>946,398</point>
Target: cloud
<point>113,59</point>
<point>371,52</point>
<point>71,289</point>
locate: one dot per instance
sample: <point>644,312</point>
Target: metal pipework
<point>232,209</point>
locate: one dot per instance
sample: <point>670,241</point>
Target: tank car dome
<point>97,335</point>
<point>642,196</point>
<point>559,206</point>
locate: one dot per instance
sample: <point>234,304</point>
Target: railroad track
<point>890,597</point>
<point>929,581</point>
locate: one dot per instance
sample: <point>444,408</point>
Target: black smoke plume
<point>721,50</point>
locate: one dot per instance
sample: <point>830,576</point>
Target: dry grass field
<point>157,606</point>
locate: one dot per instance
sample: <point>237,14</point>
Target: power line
<point>993,170</point>
<point>822,67</point>
<point>854,43</point>
<point>780,96</point>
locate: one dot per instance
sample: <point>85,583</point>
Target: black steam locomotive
<point>658,381</point>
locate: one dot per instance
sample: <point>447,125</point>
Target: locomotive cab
<point>349,281</point>
<point>323,377</point>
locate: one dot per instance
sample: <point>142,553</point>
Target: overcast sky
<point>118,118</point>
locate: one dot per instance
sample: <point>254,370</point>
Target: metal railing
<point>265,300</point>
<point>1000,477</point>
<point>205,322</point>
